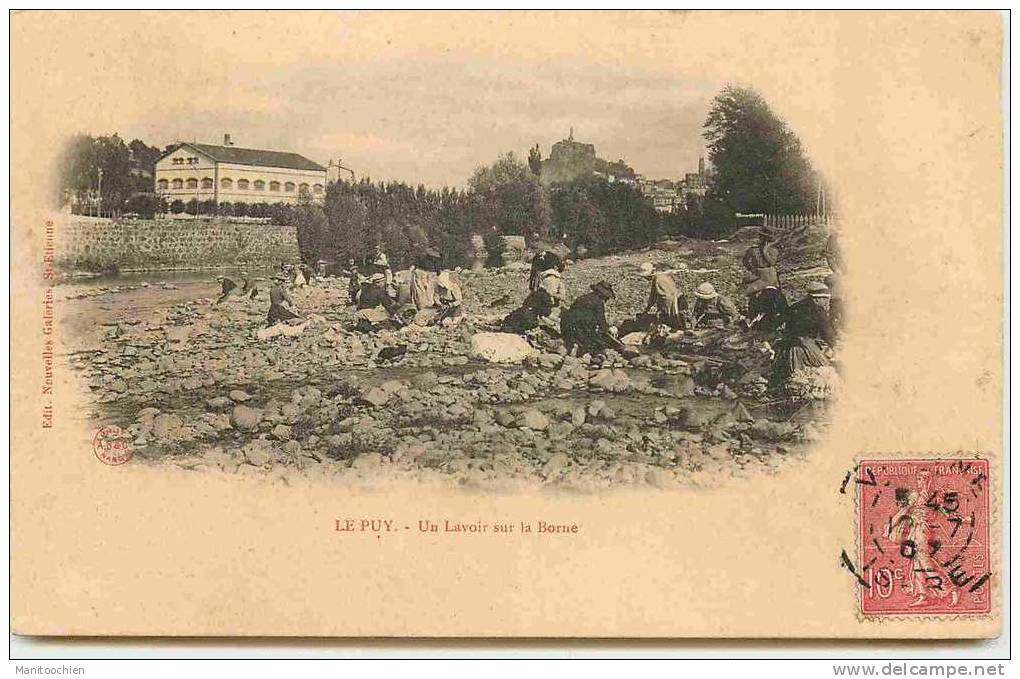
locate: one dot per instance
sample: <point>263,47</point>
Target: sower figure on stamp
<point>910,531</point>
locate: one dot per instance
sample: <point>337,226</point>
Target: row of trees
<point>759,167</point>
<point>126,170</point>
<point>503,199</point>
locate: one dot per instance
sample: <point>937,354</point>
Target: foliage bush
<point>145,204</point>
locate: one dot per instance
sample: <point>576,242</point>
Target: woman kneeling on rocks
<point>449,300</point>
<point>279,303</point>
<point>376,309</point>
<point>536,307</point>
<point>807,324</point>
<point>584,324</point>
<point>664,296</point>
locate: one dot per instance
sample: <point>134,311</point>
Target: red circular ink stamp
<point>923,537</point>
<point>110,446</point>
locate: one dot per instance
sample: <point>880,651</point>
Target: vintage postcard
<point>507,324</point>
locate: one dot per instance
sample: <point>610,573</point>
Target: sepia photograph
<point>560,320</point>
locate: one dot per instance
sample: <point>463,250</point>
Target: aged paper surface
<point>195,521</point>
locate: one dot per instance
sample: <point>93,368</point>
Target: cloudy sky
<point>416,97</point>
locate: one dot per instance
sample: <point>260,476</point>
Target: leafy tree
<point>759,164</point>
<point>347,214</point>
<point>535,160</point>
<point>603,216</point>
<point>144,204</point>
<point>312,231</point>
<point>81,162</point>
<point>511,198</point>
<point>177,206</point>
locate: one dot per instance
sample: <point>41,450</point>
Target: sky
<point>422,98</point>
<point>433,120</point>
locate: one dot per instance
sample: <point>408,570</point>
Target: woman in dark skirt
<point>279,300</point>
<point>766,308</point>
<point>537,305</point>
<point>584,324</point>
<point>806,324</point>
<point>227,287</point>
<point>543,261</point>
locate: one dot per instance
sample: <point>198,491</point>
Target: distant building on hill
<point>569,160</point>
<point>227,173</point>
<point>667,195</point>
<point>696,184</point>
<point>663,194</point>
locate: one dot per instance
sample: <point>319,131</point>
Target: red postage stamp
<point>110,447</point>
<point>924,537</point>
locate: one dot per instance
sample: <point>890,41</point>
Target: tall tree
<point>511,198</point>
<point>535,160</point>
<point>759,164</point>
<point>82,160</point>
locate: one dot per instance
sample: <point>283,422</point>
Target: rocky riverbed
<point>190,385</point>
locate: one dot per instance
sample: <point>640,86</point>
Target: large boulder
<point>244,418</point>
<point>555,466</point>
<point>375,396</point>
<point>534,419</point>
<point>500,347</point>
<point>258,452</point>
<point>281,330</point>
<point>610,380</point>
<point>167,426</point>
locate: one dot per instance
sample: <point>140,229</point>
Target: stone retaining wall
<point>171,244</point>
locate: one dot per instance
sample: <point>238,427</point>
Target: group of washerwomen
<point>432,295</point>
<point>800,331</point>
<point>429,295</point>
<point>280,301</point>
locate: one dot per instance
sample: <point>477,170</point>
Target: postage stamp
<point>924,537</point>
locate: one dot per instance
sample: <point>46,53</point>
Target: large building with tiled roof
<point>230,174</point>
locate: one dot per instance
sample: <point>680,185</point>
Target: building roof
<point>257,157</point>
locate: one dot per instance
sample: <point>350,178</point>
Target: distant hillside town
<point>569,160</point>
